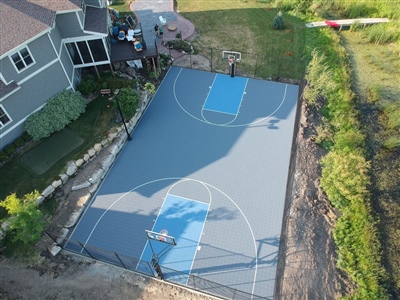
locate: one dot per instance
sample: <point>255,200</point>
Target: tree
<point>278,22</point>
<point>26,220</point>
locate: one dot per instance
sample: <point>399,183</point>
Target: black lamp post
<point>120,111</point>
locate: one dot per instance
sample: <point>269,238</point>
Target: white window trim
<point>18,51</point>
<point>8,116</point>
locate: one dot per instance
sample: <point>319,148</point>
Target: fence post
<point>211,55</point>
<point>54,240</point>
<point>119,260</point>
<point>255,69</point>
<point>85,250</point>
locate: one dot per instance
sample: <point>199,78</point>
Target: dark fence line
<point>272,65</point>
<point>133,264</point>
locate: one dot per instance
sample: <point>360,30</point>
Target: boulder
<point>64,178</point>
<point>62,235</point>
<point>74,217</point>
<point>111,136</point>
<point>107,161</point>
<point>86,157</point>
<point>93,188</point>
<point>48,191</point>
<point>71,169</point>
<point>55,249</point>
<point>40,200</point>
<point>113,148</point>
<point>91,152</point>
<point>57,183</point>
<point>80,185</point>
<point>80,162</point>
<point>83,199</point>
<point>97,147</point>
<point>104,142</point>
<point>96,175</point>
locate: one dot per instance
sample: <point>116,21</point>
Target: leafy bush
<point>55,115</point>
<point>278,22</point>
<point>128,99</point>
<point>118,83</point>
<point>3,156</point>
<point>89,86</point>
<point>179,45</point>
<point>150,88</point>
<point>26,223</point>
<point>9,149</point>
<point>19,142</point>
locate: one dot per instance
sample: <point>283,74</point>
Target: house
<point>44,46</point>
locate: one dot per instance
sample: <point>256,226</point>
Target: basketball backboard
<point>161,236</point>
<point>227,55</point>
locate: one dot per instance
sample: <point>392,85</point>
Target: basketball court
<point>201,187</point>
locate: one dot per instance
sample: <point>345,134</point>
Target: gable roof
<point>22,20</point>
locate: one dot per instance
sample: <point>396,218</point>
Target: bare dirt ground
<point>306,268</point>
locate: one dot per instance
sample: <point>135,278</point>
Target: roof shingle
<point>21,20</point>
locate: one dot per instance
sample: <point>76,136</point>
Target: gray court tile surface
<point>238,164</point>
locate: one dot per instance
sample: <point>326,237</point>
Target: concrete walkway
<point>148,12</point>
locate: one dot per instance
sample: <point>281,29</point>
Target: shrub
<point>150,88</point>
<point>89,86</point>
<point>128,100</point>
<point>3,156</point>
<point>118,83</point>
<point>180,45</point>
<point>19,142</point>
<point>26,137</point>
<point>26,223</point>
<point>10,150</point>
<point>55,115</point>
<point>278,22</point>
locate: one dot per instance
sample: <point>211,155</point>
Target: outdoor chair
<point>131,22</point>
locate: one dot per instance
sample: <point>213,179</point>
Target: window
<point>22,59</point>
<point>4,118</point>
<point>98,51</point>
<point>86,52</point>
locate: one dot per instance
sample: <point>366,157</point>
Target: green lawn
<point>246,26</point>
<point>91,126</point>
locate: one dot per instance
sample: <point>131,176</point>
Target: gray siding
<point>33,93</point>
<point>69,26</point>
<point>67,63</point>
<point>56,38</point>
<point>81,16</point>
<point>42,53</point>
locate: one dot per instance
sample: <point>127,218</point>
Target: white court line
<point>201,234</point>
<point>180,179</point>
<point>225,124</point>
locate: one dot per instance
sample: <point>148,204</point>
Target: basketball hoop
<point>162,236</point>
<point>231,60</point>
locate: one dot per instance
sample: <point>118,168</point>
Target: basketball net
<point>231,60</point>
